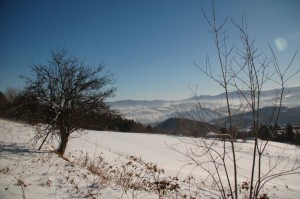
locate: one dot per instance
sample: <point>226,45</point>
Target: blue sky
<point>149,46</point>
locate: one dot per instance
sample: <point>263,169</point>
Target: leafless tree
<point>244,71</point>
<point>12,94</point>
<point>66,95</point>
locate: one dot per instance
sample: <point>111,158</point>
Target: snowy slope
<point>48,176</point>
<point>159,110</point>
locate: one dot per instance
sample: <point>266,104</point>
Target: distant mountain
<point>155,111</point>
<point>269,94</point>
<point>192,128</point>
<point>139,103</point>
<point>287,116</point>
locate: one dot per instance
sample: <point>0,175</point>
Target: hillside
<point>287,116</point>
<point>92,159</point>
<point>187,127</point>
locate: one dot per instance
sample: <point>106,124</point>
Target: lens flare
<point>280,43</point>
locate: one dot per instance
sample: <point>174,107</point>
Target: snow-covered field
<point>27,172</point>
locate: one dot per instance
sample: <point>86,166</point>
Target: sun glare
<point>280,43</point>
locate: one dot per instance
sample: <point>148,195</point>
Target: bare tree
<point>244,71</point>
<point>66,95</point>
<point>12,94</point>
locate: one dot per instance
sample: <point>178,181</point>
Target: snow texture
<point>25,171</point>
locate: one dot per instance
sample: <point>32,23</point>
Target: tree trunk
<point>63,143</point>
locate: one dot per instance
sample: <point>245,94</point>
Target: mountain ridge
<point>297,89</point>
<point>153,111</point>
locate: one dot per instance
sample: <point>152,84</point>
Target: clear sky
<point>149,46</point>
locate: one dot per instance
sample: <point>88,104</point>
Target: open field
<point>42,174</point>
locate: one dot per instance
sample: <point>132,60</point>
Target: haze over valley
<point>153,112</point>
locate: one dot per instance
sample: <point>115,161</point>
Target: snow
<point>48,176</point>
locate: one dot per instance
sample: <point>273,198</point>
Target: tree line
<point>10,108</point>
<point>287,134</point>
